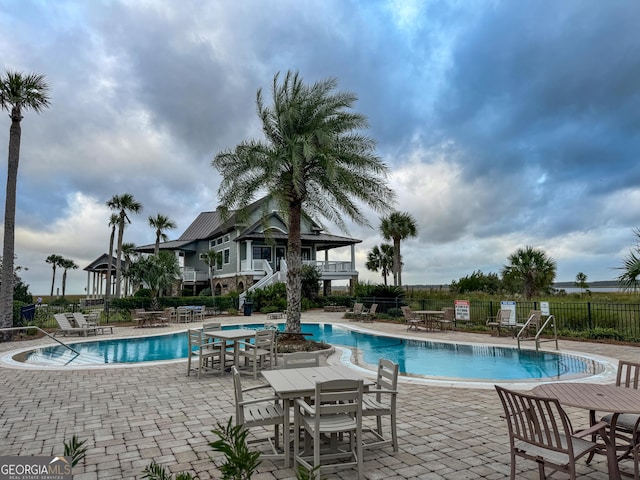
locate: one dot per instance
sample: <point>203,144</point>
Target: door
<point>280,254</point>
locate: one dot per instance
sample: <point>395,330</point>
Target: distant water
<point>594,289</point>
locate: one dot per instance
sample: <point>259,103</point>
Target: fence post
<point>590,320</point>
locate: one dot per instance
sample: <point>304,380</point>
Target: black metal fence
<point>577,316</point>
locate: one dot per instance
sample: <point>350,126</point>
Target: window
<point>212,244</point>
<point>305,253</point>
<point>219,241</point>
<point>225,239</point>
<point>262,253</point>
<point>226,254</point>
<point>219,261</point>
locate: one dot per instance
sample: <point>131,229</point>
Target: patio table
<point>429,318</point>
<point>596,397</point>
<point>295,383</point>
<point>235,335</point>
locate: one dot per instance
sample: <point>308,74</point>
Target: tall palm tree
<point>113,223</point>
<point>380,258</point>
<point>161,223</point>
<point>55,261</point>
<point>66,264</point>
<point>531,268</point>
<point>122,204</point>
<point>313,158</point>
<point>398,226</point>
<point>18,93</point>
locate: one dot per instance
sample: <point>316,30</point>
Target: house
<point>251,247</point>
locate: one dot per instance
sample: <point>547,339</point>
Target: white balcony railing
<point>330,266</point>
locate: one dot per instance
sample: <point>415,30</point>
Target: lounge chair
<point>354,314</point>
<point>66,328</point>
<point>368,314</point>
<point>532,323</point>
<point>82,322</point>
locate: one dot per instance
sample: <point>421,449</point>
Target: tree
<point>581,282</point>
<point>398,226</point>
<point>156,272</point>
<point>160,223</point>
<point>113,223</point>
<point>18,93</point>
<point>122,204</point>
<point>20,289</point>
<point>55,261</point>
<point>532,269</point>
<point>212,258</point>
<point>380,258</point>
<point>66,264</point>
<point>128,249</point>
<point>629,279</point>
<point>313,160</point>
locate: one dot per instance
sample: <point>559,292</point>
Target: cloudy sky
<point>504,123</point>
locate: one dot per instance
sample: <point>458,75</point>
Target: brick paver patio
<point>131,416</point>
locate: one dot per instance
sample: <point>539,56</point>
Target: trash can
<point>28,313</point>
<point>248,308</point>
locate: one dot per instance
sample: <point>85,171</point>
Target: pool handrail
<point>41,330</point>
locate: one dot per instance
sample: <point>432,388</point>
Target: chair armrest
<point>599,427</point>
<point>380,390</point>
<point>256,387</point>
<point>259,400</point>
<point>303,405</point>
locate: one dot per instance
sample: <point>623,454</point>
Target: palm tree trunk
<point>8,251</point>
<point>118,254</point>
<point>53,280</point>
<point>397,279</point>
<point>107,293</point>
<point>64,282</point>
<point>294,268</point>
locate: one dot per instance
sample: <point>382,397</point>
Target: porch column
<point>249,255</point>
<point>88,289</point>
<point>353,258</point>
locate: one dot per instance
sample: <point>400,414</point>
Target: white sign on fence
<point>463,310</point>
<point>511,306</point>
<point>544,308</point>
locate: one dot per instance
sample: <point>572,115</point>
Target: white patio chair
<point>258,412</point>
<point>380,401</point>
<point>261,351</point>
<point>301,360</point>
<point>336,410</point>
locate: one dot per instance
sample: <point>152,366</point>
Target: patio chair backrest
<point>628,374</point>
<point>63,321</point>
<point>537,421</point>
<point>407,312</point>
<point>334,397</point>
<point>448,314</point>
<point>301,360</point>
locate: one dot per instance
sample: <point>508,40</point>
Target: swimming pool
<point>415,357</point>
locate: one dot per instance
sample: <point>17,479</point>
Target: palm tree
<point>55,261</point>
<point>581,281</point>
<point>380,258</point>
<point>113,223</point>
<point>156,272</point>
<point>531,268</point>
<point>398,226</point>
<point>122,204</point>
<point>128,249</point>
<point>313,158</point>
<point>161,223</point>
<point>629,279</point>
<point>18,93</point>
<point>66,264</point>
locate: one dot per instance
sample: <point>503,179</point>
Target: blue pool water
<point>415,357</point>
